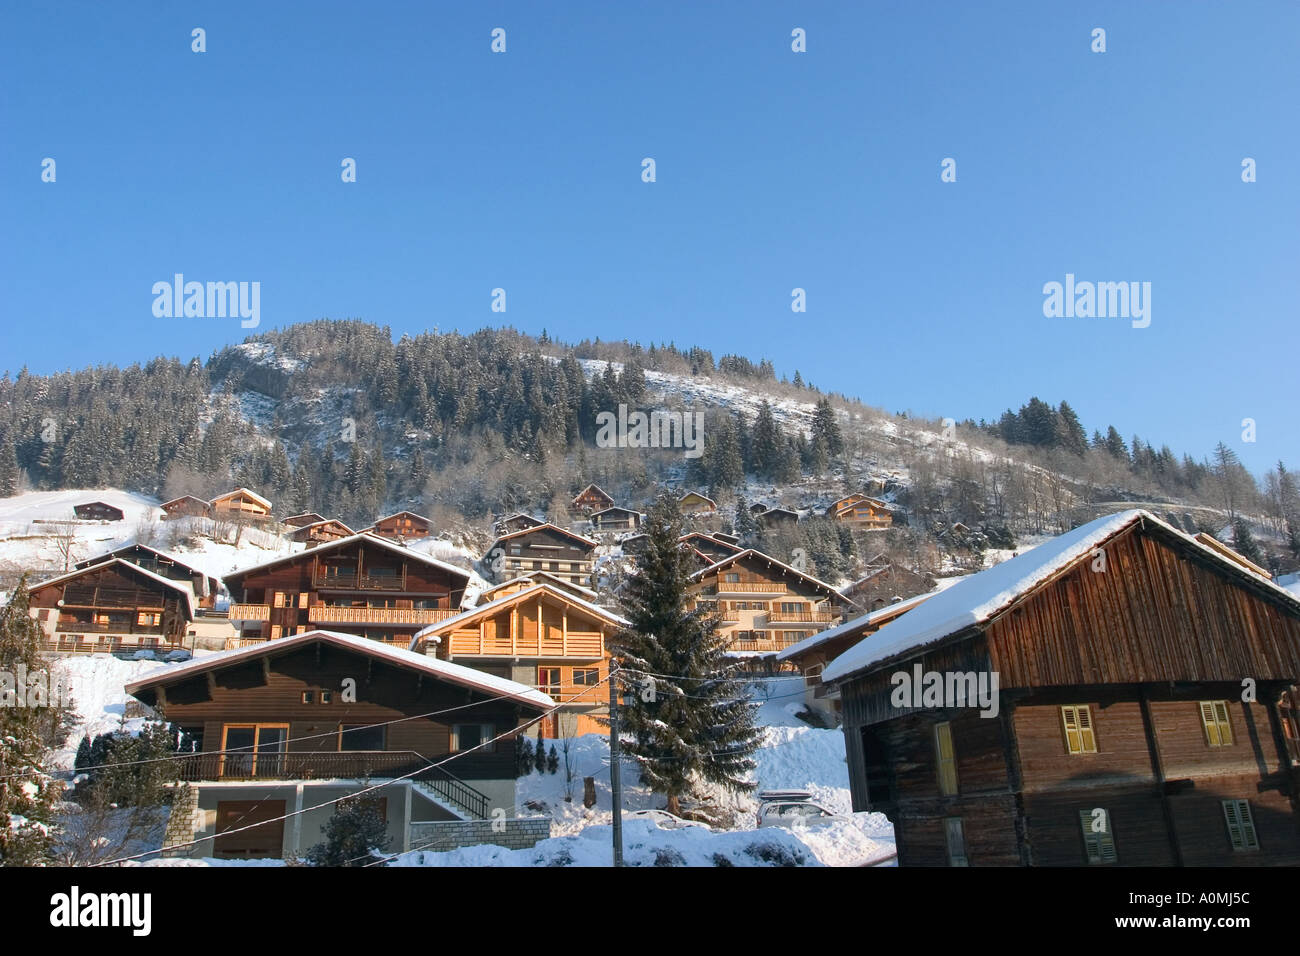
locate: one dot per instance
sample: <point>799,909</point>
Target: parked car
<point>664,820</point>
<point>794,813</point>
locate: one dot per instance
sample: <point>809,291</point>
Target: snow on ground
<point>1290,582</point>
<point>97,683</point>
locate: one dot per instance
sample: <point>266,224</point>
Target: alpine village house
<point>363,584</point>
<point>545,547</point>
<point>1144,712</point>
<point>281,729</point>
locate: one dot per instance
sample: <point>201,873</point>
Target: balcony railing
<point>123,627</point>
<point>250,612</point>
<point>71,644</point>
<point>361,582</point>
<point>750,587</point>
<point>81,595</point>
<point>348,765</point>
<point>320,614</point>
<point>800,617</point>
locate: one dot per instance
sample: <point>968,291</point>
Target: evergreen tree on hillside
<point>1069,431</point>
<point>765,443</point>
<point>689,717</point>
<point>826,428</point>
<point>1115,444</point>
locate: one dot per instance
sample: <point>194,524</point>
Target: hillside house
<point>186,506</point>
<point>112,606</point>
<point>403,525</point>
<point>592,498</point>
<point>240,503</point>
<point>363,585</point>
<point>616,519</point>
<point>709,547</point>
<point>205,587</point>
<point>694,503</point>
<point>331,529</point>
<point>777,517</point>
<point>303,519</point>
<point>861,511</point>
<point>516,522</point>
<point>97,511</point>
<point>764,604</point>
<point>544,548</point>
<point>280,729</point>
<point>1144,711</point>
<point>883,582</point>
<point>541,635</point>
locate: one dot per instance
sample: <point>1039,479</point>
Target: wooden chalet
<point>531,579</point>
<point>694,503</point>
<point>516,522</point>
<point>709,547</point>
<point>205,587</point>
<point>544,548</point>
<point>318,532</point>
<point>403,525</point>
<point>112,606</point>
<point>776,517</point>
<point>186,506</point>
<point>1144,713</point>
<point>97,511</point>
<point>616,519</point>
<point>541,635</point>
<point>241,502</point>
<point>592,498</point>
<point>363,585</point>
<point>303,519</point>
<point>883,582</point>
<point>278,730</point>
<point>861,511</point>
<point>764,604</point>
<point>812,654</point>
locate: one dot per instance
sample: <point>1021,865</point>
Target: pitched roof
<point>594,487</point>
<point>365,536</point>
<point>975,600</point>
<point>444,670</point>
<point>397,514</point>
<point>175,559</point>
<point>180,586</point>
<point>759,555</point>
<point>531,577</point>
<point>605,511</point>
<point>861,623</point>
<point>451,623</point>
<point>734,548</point>
<point>176,501</point>
<point>541,527</point>
<point>702,497</point>
<point>244,491</point>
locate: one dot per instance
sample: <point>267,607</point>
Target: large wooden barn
<point>1143,711</point>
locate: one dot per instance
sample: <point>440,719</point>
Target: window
<point>956,841</point>
<point>1079,735</point>
<point>308,696</point>
<point>945,759</point>
<point>148,619</point>
<point>731,578</point>
<point>791,607</point>
<point>327,697</point>
<point>746,635</point>
<point>1218,728</point>
<point>548,679</point>
<point>361,737</point>
<point>253,750</point>
<point>1241,825</point>
<point>302,598</point>
<point>279,599</point>
<point>586,676</point>
<point>1098,841</point>
<point>468,736</point>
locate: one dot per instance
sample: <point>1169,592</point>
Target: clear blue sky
<point>775,170</point>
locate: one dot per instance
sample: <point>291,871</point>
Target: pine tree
<point>826,428</point>
<point>539,753</point>
<point>765,443</point>
<point>1069,431</point>
<point>355,834</point>
<point>552,760</point>
<point>690,718</point>
<point>1243,542</point>
<point>8,466</point>
<point>28,734</point>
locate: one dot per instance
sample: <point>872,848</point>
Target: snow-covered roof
<point>182,586</point>
<point>246,492</point>
<point>977,599</point>
<point>398,514</point>
<point>444,670</point>
<point>544,527</point>
<point>530,577</point>
<point>343,542</point>
<point>759,555</point>
<point>858,623</point>
<point>451,623</point>
<point>174,558</point>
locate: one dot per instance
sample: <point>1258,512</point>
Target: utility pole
<point>615,781</point>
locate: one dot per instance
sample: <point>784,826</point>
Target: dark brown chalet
<point>112,606</point>
<point>404,524</point>
<point>616,519</point>
<point>97,511</point>
<point>592,498</point>
<point>1144,713</point>
<point>320,531</point>
<point>516,522</point>
<point>186,506</point>
<point>544,548</point>
<point>303,519</point>
<point>275,732</point>
<point>205,587</point>
<point>709,547</point>
<point>883,582</point>
<point>363,585</point>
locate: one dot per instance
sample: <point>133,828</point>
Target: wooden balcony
<point>800,617</point>
<point>581,646</point>
<point>124,628</point>
<point>750,587</point>
<point>250,612</point>
<point>321,614</point>
<point>360,582</point>
<point>73,644</point>
<point>85,596</point>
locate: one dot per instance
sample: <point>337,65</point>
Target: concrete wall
<point>516,834</point>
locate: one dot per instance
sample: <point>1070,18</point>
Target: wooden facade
<point>543,548</point>
<point>765,605</point>
<point>185,506</point>
<point>303,519</point>
<point>403,525</point>
<point>363,585</point>
<point>541,635</point>
<point>205,587</point>
<point>883,583</point>
<point>516,522</point>
<point>321,531</point>
<point>1144,717</point>
<point>616,519</point>
<point>241,501</point>
<point>711,548</point>
<point>112,606</point>
<point>694,503</point>
<point>592,498</point>
<point>97,511</point>
<point>861,511</point>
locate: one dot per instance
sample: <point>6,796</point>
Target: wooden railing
<point>124,627</point>
<point>82,595</point>
<point>250,612</point>
<point>800,617</point>
<point>748,587</point>
<point>321,614</point>
<point>586,646</point>
<point>361,582</point>
<point>65,645</point>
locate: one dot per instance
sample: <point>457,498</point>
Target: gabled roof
<point>535,522</point>
<point>596,488</point>
<point>864,622</point>
<point>443,670</point>
<point>697,494</point>
<point>686,539</point>
<point>180,587</point>
<point>247,493</point>
<point>363,536</point>
<point>398,514</point>
<point>181,499</point>
<point>531,577</point>
<point>605,511</point>
<point>305,514</point>
<point>542,527</point>
<point>175,559</point>
<point>757,555</point>
<point>865,499</point>
<point>317,524</point>
<point>975,600</point>
<point>492,607</point>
